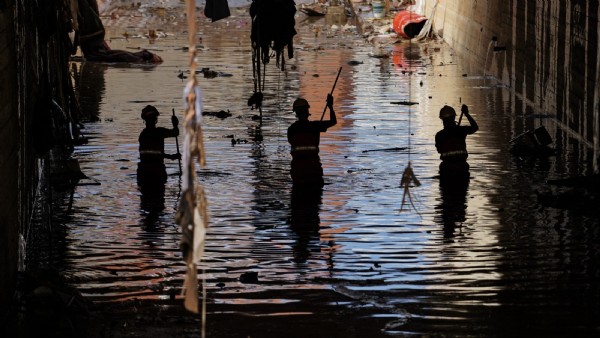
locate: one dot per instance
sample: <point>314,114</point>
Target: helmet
<point>149,111</point>
<point>446,112</point>
<point>300,103</point>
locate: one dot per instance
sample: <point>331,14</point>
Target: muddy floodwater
<point>485,260</point>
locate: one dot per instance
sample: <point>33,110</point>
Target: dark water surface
<point>486,261</point>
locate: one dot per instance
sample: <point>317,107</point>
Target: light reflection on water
<point>355,238</point>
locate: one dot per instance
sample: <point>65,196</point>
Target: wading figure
<point>450,142</point>
<point>304,137</point>
<point>151,172</point>
<point>91,39</point>
<point>454,169</point>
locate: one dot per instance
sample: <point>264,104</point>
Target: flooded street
<point>486,261</point>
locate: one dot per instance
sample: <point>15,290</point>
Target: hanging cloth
<point>216,9</point>
<point>273,28</point>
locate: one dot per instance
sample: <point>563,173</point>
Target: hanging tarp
<point>273,28</point>
<point>216,9</point>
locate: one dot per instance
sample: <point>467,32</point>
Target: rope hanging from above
<point>192,214</point>
<point>408,176</point>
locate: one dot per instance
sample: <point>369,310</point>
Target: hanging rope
<point>192,213</point>
<point>408,176</point>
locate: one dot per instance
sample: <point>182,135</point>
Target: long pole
<point>331,93</point>
<point>461,112</point>
<point>177,145</point>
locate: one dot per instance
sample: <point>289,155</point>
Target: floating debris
<point>249,277</point>
<point>385,149</point>
<point>405,103</point>
<point>311,12</point>
<point>209,74</point>
<point>220,114</point>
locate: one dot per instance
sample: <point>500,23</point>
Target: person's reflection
<point>454,186</point>
<point>152,197</point>
<point>304,220</point>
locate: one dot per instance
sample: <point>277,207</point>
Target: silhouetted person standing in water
<point>151,172</point>
<point>304,137</point>
<point>451,144</point>
<point>307,176</point>
<point>454,169</point>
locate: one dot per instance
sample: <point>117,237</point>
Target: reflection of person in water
<point>151,172</point>
<point>454,169</point>
<point>304,220</point>
<point>453,203</point>
<point>91,39</point>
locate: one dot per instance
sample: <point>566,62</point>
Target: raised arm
<point>473,124</point>
<point>175,131</point>
<point>332,118</point>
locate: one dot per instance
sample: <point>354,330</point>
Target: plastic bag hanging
<point>408,179</point>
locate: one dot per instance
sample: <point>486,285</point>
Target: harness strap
<point>305,148</point>
<point>453,153</point>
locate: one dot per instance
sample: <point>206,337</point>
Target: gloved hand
<point>174,120</point>
<point>464,109</point>
<point>329,101</point>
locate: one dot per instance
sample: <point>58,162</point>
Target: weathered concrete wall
<point>8,155</point>
<point>34,54</point>
<point>551,60</point>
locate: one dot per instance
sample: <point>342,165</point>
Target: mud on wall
<point>34,81</point>
<point>545,51</point>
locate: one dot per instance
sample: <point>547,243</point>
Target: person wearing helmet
<point>304,137</point>
<point>151,168</point>
<point>450,142</point>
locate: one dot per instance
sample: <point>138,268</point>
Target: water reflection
<point>152,196</point>
<point>305,220</point>
<point>90,84</point>
<point>453,203</point>
<point>507,257</point>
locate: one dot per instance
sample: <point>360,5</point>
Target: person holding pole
<point>151,168</point>
<point>450,142</point>
<point>304,137</point>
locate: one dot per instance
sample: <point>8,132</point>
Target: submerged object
<point>408,24</point>
<point>311,12</point>
<point>533,143</point>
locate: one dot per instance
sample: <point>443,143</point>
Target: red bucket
<point>408,24</point>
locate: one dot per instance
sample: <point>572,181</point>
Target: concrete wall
<point>551,61</point>
<point>34,54</point>
<point>8,156</point>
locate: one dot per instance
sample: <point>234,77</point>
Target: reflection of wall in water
<point>551,56</point>
<point>90,87</point>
